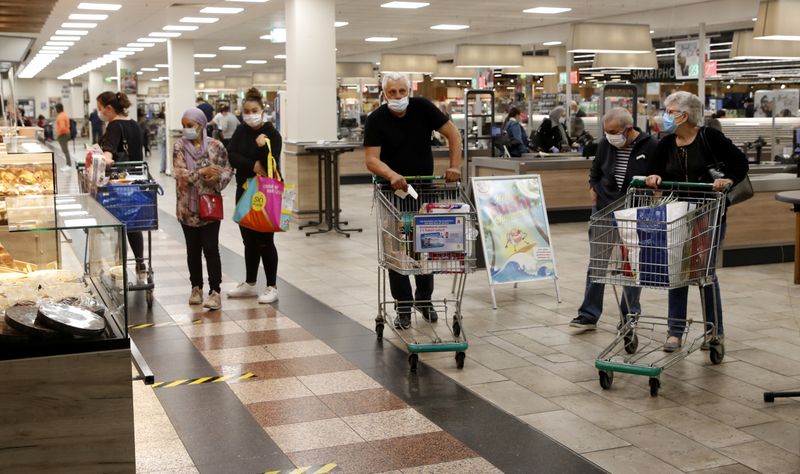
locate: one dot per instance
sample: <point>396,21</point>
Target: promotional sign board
<point>514,230</point>
<point>780,102</point>
<point>687,59</point>
<point>129,82</point>
<point>438,234</point>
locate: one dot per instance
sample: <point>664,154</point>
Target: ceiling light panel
<point>111,7</point>
<point>59,43</point>
<point>164,34</point>
<point>205,55</point>
<point>247,1</point>
<point>198,19</point>
<point>221,10</point>
<point>448,27</point>
<point>339,24</point>
<point>78,25</point>
<point>64,38</point>
<point>212,69</point>
<point>232,48</point>
<point>140,45</point>
<point>405,5</point>
<point>280,56</point>
<point>547,10</point>
<point>551,43</point>
<point>180,28</point>
<point>232,66</point>
<point>152,40</point>
<point>380,39</point>
<point>88,16</point>
<point>72,32</point>
<point>256,61</point>
<point>150,69</point>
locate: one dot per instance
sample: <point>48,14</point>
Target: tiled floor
<point>523,358</point>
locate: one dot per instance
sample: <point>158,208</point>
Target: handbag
<point>743,190</point>
<point>210,208</point>
<point>266,203</point>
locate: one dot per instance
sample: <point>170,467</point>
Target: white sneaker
<point>197,296</point>
<point>243,290</point>
<point>213,302</point>
<point>65,168</point>
<point>270,295</point>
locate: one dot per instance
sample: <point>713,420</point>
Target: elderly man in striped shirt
<point>624,152</point>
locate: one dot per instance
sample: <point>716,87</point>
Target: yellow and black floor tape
<point>162,325</point>
<point>202,380</point>
<point>319,469</point>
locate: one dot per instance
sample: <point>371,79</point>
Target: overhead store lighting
<point>547,10</point>
<point>162,65</point>
<point>55,48</point>
<point>488,55</point>
<point>112,7</point>
<point>265,37</point>
<point>451,72</point>
<point>198,19</point>
<point>64,38</point>
<point>222,10</point>
<point>141,45</point>
<point>180,28</point>
<point>536,66</point>
<point>212,69</point>
<point>126,48</point>
<point>256,61</point>
<point>405,5</point>
<point>625,61</point>
<point>355,69</point>
<point>232,48</point>
<point>164,34</point>
<point>232,66</point>
<point>88,16</point>
<point>78,25</point>
<point>611,38</point>
<point>152,40</point>
<point>380,39</point>
<point>449,27</point>
<point>551,43</point>
<point>59,43</point>
<point>278,35</point>
<point>72,32</point>
<point>205,55</point>
<point>280,56</point>
<point>248,1</point>
<point>339,24</point>
<point>746,47</point>
<point>150,69</point>
<point>777,20</point>
<point>409,63</point>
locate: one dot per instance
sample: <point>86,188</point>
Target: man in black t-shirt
<point>397,143</point>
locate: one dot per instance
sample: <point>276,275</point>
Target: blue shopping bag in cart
<point>134,205</point>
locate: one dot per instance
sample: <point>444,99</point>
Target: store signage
<point>664,73</point>
<point>710,69</point>
<point>562,77</point>
<point>65,91</point>
<point>687,59</point>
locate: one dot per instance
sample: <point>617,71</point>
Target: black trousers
<point>259,247</point>
<point>400,286</point>
<point>136,241</point>
<point>203,240</point>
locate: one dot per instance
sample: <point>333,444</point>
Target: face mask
<point>102,116</point>
<point>398,105</point>
<point>669,124</point>
<point>617,141</point>
<point>254,120</point>
<point>190,133</point>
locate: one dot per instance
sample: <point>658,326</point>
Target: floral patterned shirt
<point>186,180</point>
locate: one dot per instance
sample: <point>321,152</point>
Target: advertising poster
<point>687,59</point>
<point>129,82</point>
<point>781,102</point>
<point>514,229</point>
<point>438,234</point>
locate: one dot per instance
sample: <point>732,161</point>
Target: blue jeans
<point>592,306</point>
<point>709,294</point>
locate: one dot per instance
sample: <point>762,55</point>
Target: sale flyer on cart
<point>436,234</point>
<point>514,228</point>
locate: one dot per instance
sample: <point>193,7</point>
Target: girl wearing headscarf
<point>200,165</point>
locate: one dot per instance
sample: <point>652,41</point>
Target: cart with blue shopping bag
<point>430,232</point>
<point>660,239</point>
<point>129,192</point>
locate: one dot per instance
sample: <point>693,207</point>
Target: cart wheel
<point>716,353</point>
<point>655,384</point>
<point>631,343</point>
<point>769,397</point>
<point>606,379</point>
<point>148,296</point>
<point>456,329</point>
<point>412,361</point>
<point>460,356</point>
<point>379,330</point>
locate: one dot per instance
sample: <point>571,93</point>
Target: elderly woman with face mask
<point>552,134</point>
<point>697,154</point>
<point>200,165</point>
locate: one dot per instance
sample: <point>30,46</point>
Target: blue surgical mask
<point>668,123</point>
<point>190,133</point>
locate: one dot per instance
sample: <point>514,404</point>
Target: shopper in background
<point>226,123</point>
<point>552,136</point>
<point>207,109</point>
<point>122,141</point>
<point>161,140</point>
<point>515,131</point>
<point>576,110</point>
<point>248,153</point>
<point>749,110</point>
<point>143,126</point>
<point>200,165</point>
<point>690,154</point>
<point>397,143</point>
<point>63,135</point>
<point>97,126</point>
<point>625,151</point>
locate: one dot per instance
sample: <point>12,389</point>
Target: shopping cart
<point>133,200</point>
<point>660,239</point>
<point>432,234</point>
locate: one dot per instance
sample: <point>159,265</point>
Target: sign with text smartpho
<point>514,229</point>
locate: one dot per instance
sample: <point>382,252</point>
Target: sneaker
<point>582,322</point>
<point>65,168</point>
<point>141,274</point>
<point>428,313</point>
<point>270,295</point>
<point>197,296</point>
<point>402,321</point>
<point>673,344</point>
<point>213,301</point>
<point>243,290</point>
<point>707,342</point>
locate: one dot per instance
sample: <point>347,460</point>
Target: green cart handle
<point>638,182</point>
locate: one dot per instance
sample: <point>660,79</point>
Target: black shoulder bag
<point>740,192</point>
<point>122,155</point>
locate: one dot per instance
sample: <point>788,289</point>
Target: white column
<point>310,70</point>
<point>701,77</point>
<point>180,57</point>
<point>122,64</point>
<point>96,87</point>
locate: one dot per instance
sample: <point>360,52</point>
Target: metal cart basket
<point>661,239</point>
<point>432,234</point>
<point>135,204</point>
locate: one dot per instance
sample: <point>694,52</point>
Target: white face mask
<point>617,141</point>
<point>398,105</point>
<point>254,120</point>
<point>190,133</point>
<point>102,115</point>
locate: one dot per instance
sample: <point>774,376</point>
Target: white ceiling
<point>489,20</point>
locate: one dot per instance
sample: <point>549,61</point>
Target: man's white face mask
<point>398,105</point>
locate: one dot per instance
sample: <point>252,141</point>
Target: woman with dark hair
<point>248,152</point>
<point>122,141</point>
<point>515,132</point>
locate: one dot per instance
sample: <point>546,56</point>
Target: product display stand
<point>328,154</point>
